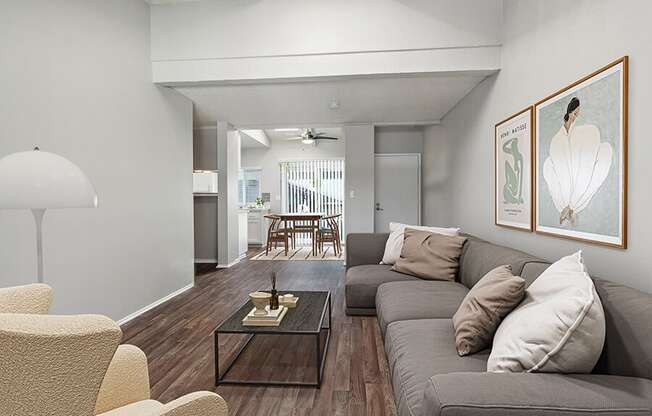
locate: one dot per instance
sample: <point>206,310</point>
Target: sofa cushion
<point>488,302</point>
<point>401,301</point>
<point>363,281</point>
<point>364,248</point>
<point>628,345</point>
<point>429,255</point>
<point>416,351</point>
<point>532,394</point>
<point>532,270</point>
<point>479,257</point>
<point>394,245</point>
<point>558,328</point>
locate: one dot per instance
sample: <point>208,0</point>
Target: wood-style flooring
<point>178,340</point>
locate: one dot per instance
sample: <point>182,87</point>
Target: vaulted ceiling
<point>419,99</point>
<point>286,62</point>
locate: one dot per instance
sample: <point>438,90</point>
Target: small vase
<point>260,300</point>
<point>273,301</point>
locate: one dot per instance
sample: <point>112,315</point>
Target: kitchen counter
<point>257,208</point>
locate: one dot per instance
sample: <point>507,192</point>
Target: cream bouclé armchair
<point>74,366</point>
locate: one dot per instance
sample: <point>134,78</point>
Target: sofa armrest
<point>480,394</point>
<point>365,248</point>
<point>201,403</point>
<point>126,381</point>
<point>28,299</point>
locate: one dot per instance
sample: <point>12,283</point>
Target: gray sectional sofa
<point>428,376</point>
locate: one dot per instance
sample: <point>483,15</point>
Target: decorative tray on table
<point>272,318</point>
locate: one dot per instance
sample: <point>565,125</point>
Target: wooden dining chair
<point>330,233</point>
<point>276,234</point>
<point>307,227</point>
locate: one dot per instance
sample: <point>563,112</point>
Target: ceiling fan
<point>309,137</point>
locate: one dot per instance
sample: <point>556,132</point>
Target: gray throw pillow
<point>481,311</point>
<point>430,256</point>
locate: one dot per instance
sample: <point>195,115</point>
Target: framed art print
<point>581,159</point>
<point>513,171</point>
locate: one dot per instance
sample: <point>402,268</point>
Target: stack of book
<point>272,318</point>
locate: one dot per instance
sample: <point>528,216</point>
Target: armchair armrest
<point>493,394</point>
<point>365,248</point>
<point>200,403</point>
<point>28,299</point>
<point>126,381</point>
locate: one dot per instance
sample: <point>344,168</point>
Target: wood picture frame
<point>513,174</point>
<point>580,172</point>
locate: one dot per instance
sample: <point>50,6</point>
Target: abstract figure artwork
<point>513,188</point>
<point>580,147</point>
<point>577,165</point>
<point>513,176</point>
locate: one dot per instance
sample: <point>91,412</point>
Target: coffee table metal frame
<point>320,356</point>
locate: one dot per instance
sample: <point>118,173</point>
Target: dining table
<point>311,217</point>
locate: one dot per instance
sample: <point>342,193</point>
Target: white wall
<point>228,165</point>
<point>226,29</point>
<point>268,160</point>
<point>546,46</point>
<point>436,180</point>
<point>398,139</point>
<point>225,40</point>
<point>76,80</point>
<point>359,179</point>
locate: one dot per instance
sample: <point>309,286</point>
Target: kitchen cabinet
<point>257,226</point>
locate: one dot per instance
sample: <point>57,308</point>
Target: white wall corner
<point>154,304</point>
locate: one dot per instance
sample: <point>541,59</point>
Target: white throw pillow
<point>558,328</point>
<point>394,243</point>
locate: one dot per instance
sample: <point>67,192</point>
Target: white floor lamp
<point>38,181</point>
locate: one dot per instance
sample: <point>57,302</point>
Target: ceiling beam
<point>483,60</point>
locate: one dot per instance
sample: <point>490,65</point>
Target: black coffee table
<point>309,317</point>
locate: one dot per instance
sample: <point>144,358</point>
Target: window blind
<point>313,186</point>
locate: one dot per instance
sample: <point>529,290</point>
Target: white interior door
<point>397,179</point>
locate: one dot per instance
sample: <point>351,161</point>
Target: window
<point>249,186</point>
<point>313,186</point>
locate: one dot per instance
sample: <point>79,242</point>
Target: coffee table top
<point>306,318</point>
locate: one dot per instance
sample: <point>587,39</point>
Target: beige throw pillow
<point>481,311</point>
<point>430,256</point>
<point>558,328</point>
<point>394,244</point>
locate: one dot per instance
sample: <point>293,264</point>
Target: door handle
<point>378,208</point>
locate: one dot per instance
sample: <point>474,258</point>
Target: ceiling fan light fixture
<point>307,141</point>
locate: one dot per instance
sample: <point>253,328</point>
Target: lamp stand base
<point>38,218</point>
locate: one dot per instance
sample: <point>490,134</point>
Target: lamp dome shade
<point>42,180</point>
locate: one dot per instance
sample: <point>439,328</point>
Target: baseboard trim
<point>154,304</point>
<point>233,263</point>
<point>205,260</point>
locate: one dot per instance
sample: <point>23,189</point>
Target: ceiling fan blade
<point>318,134</point>
<point>326,138</point>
